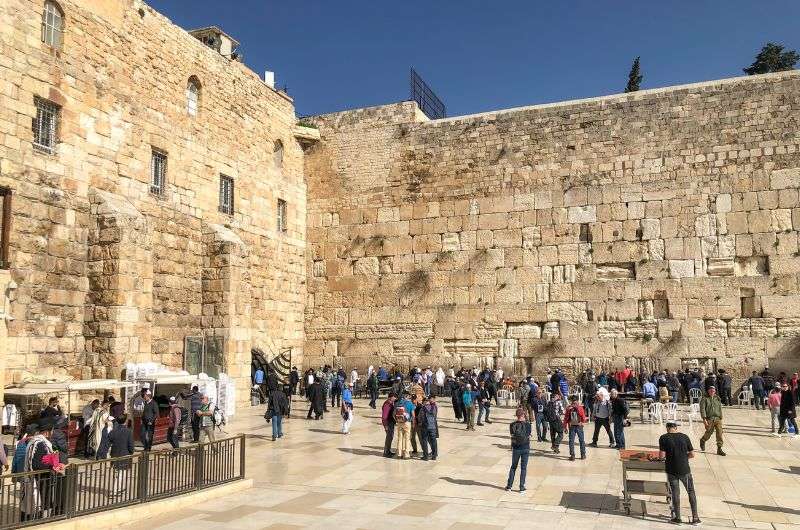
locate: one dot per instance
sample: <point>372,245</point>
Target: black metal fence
<point>42,496</point>
<point>428,101</point>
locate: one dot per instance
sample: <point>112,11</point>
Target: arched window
<point>192,96</point>
<point>52,24</point>
<point>277,154</point>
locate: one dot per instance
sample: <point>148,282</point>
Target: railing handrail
<point>109,483</point>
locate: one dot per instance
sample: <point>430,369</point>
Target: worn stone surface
<point>661,243</point>
<point>109,273</point>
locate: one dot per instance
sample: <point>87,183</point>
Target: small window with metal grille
<point>45,125</point>
<point>52,25</point>
<point>226,194</point>
<point>282,219</point>
<point>158,172</point>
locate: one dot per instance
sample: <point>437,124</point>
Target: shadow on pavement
<point>466,482</point>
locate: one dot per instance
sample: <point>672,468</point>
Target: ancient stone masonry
<point>653,228</point>
<point>109,269</point>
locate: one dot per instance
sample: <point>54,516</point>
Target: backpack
<point>574,417</point>
<point>550,411</point>
<point>400,413</point>
<point>428,419</point>
<point>519,436</point>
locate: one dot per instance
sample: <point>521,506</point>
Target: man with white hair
<point>601,410</point>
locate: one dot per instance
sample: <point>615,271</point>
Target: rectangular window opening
<point>585,235</point>
<point>226,194</point>
<point>282,220</point>
<point>158,172</point>
<point>45,125</point>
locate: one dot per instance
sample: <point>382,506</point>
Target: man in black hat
<point>676,448</point>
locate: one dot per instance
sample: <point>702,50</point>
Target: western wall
<point>658,229</point>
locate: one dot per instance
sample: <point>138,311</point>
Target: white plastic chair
<point>670,412</point>
<point>505,398</point>
<point>745,396</point>
<point>694,395</point>
<point>693,413</point>
<point>655,413</point>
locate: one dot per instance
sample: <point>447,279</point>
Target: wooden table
<point>635,460</point>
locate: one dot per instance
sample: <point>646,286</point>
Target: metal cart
<point>637,461</point>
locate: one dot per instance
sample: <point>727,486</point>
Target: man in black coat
<point>294,379</point>
<point>121,441</point>
<point>149,416</point>
<point>316,398</point>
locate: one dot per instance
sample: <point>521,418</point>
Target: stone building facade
<point>658,228</point>
<point>109,265</point>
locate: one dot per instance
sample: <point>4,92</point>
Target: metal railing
<point>426,98</point>
<point>42,496</point>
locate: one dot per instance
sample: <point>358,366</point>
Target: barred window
<point>226,194</point>
<point>277,155</point>
<point>52,24</point>
<point>45,125</point>
<point>192,96</point>
<point>158,172</point>
<point>282,220</point>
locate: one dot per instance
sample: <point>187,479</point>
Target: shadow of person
<point>467,482</point>
<point>590,502</point>
<point>793,470</point>
<point>765,508</point>
<point>325,431</point>
<point>360,452</point>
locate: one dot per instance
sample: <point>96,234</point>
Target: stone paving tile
<point>314,477</point>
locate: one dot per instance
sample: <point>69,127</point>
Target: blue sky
<point>487,55</point>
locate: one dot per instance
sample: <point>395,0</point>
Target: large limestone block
<point>778,306</point>
<point>789,327</point>
<point>582,214</point>
<point>366,266</point>
<point>566,311</point>
<point>763,327</point>
<point>524,330</point>
<point>615,271</point>
<point>681,268</point>
<point>610,329</point>
<point>622,309</point>
<point>551,330</point>
<point>779,264</point>
<point>785,178</point>
<point>720,267</point>
<point>450,242</point>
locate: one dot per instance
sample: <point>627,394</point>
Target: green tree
<point>634,77</point>
<point>772,58</point>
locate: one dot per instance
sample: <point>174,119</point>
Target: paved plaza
<point>318,478</point>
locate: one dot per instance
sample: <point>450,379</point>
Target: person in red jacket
<point>387,419</point>
<point>574,418</point>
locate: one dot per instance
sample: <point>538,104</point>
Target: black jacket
<point>150,412</point>
<point>619,408</point>
<point>278,404</point>
<point>121,440</point>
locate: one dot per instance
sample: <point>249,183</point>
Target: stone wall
<point>648,228</point>
<point>107,272</point>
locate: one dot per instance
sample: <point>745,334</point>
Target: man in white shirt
<point>353,377</point>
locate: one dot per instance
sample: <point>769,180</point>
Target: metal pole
<point>242,456</point>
